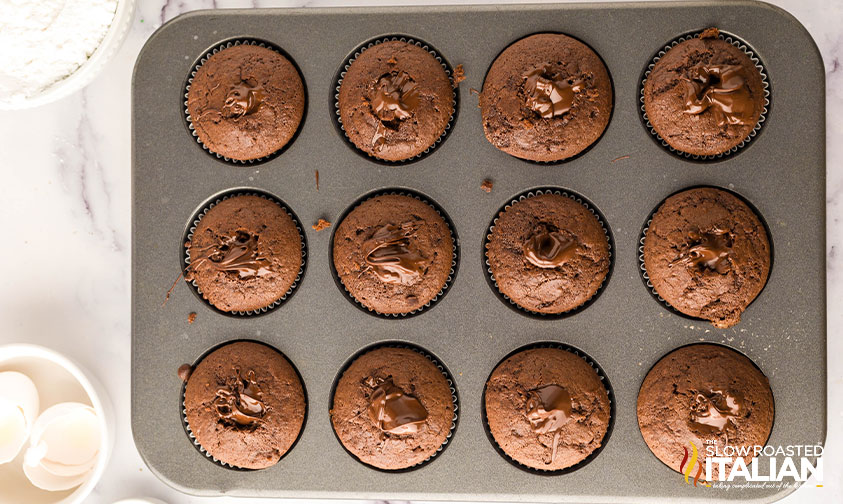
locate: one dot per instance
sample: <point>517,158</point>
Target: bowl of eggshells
<point>56,428</point>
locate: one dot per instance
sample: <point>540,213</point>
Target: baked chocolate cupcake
<point>704,96</point>
<point>393,408</point>
<point>547,408</point>
<point>244,405</point>
<point>548,253</point>
<point>393,253</point>
<point>705,395</point>
<point>245,254</point>
<point>707,254</point>
<point>395,100</point>
<point>245,102</point>
<point>547,97</point>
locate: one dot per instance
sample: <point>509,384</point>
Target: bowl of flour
<point>52,48</point>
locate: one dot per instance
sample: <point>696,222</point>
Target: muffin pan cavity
<point>756,130</point>
<point>222,46</point>
<point>184,252</point>
<point>490,277</point>
<point>343,69</point>
<point>643,270</point>
<point>437,364</point>
<point>604,380</point>
<point>625,174</point>
<point>455,260</point>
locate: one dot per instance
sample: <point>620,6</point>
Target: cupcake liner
<point>206,207</point>
<point>189,433</point>
<point>436,362</point>
<point>490,277</point>
<point>201,61</point>
<point>454,261</point>
<point>603,378</point>
<point>740,44</point>
<point>642,269</point>
<point>335,96</point>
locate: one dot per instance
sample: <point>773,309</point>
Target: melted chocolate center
<point>549,249</point>
<point>548,95</point>
<point>242,99</point>
<point>711,251</point>
<point>238,253</point>
<point>393,410</point>
<point>548,410</point>
<point>395,99</point>
<point>710,412</point>
<point>389,257</point>
<point>721,89</point>
<point>240,402</point>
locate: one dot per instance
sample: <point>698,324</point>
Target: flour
<point>44,41</point>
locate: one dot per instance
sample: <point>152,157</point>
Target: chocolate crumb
<point>710,33</point>
<point>317,180</point>
<point>191,317</point>
<point>185,370</point>
<point>321,224</point>
<point>459,75</point>
<point>487,185</point>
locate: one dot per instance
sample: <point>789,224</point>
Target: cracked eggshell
<point>71,432</point>
<point>45,480</point>
<point>13,430</point>
<point>19,405</point>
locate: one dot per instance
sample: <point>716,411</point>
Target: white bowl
<point>58,380</point>
<point>83,75</point>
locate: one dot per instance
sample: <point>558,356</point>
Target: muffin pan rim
<point>145,355</point>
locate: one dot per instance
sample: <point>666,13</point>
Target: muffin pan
<point>625,175</point>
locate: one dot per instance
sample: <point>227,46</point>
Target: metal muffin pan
<point>781,172</point>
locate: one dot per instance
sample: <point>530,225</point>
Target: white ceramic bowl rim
<point>14,351</point>
<point>86,72</point>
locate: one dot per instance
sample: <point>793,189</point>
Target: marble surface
<point>65,206</point>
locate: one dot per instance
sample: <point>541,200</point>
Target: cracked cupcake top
<point>707,254</point>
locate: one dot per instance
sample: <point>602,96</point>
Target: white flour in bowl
<point>44,41</point>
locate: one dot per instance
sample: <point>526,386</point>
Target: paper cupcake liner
<point>189,433</point>
<point>642,269</point>
<point>490,277</point>
<point>335,97</point>
<point>454,261</point>
<point>603,378</point>
<point>189,120</point>
<point>197,217</point>
<point>436,362</point>
<point>765,83</point>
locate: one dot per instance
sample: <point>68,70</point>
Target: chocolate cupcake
<point>244,405</point>
<point>548,253</point>
<point>547,408</point>
<point>245,254</point>
<point>245,102</point>
<point>394,253</point>
<point>705,96</point>
<point>702,396</point>
<point>707,254</point>
<point>547,97</point>
<point>395,100</point>
<point>393,408</point>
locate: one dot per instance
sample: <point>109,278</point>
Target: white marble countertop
<point>65,206</point>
